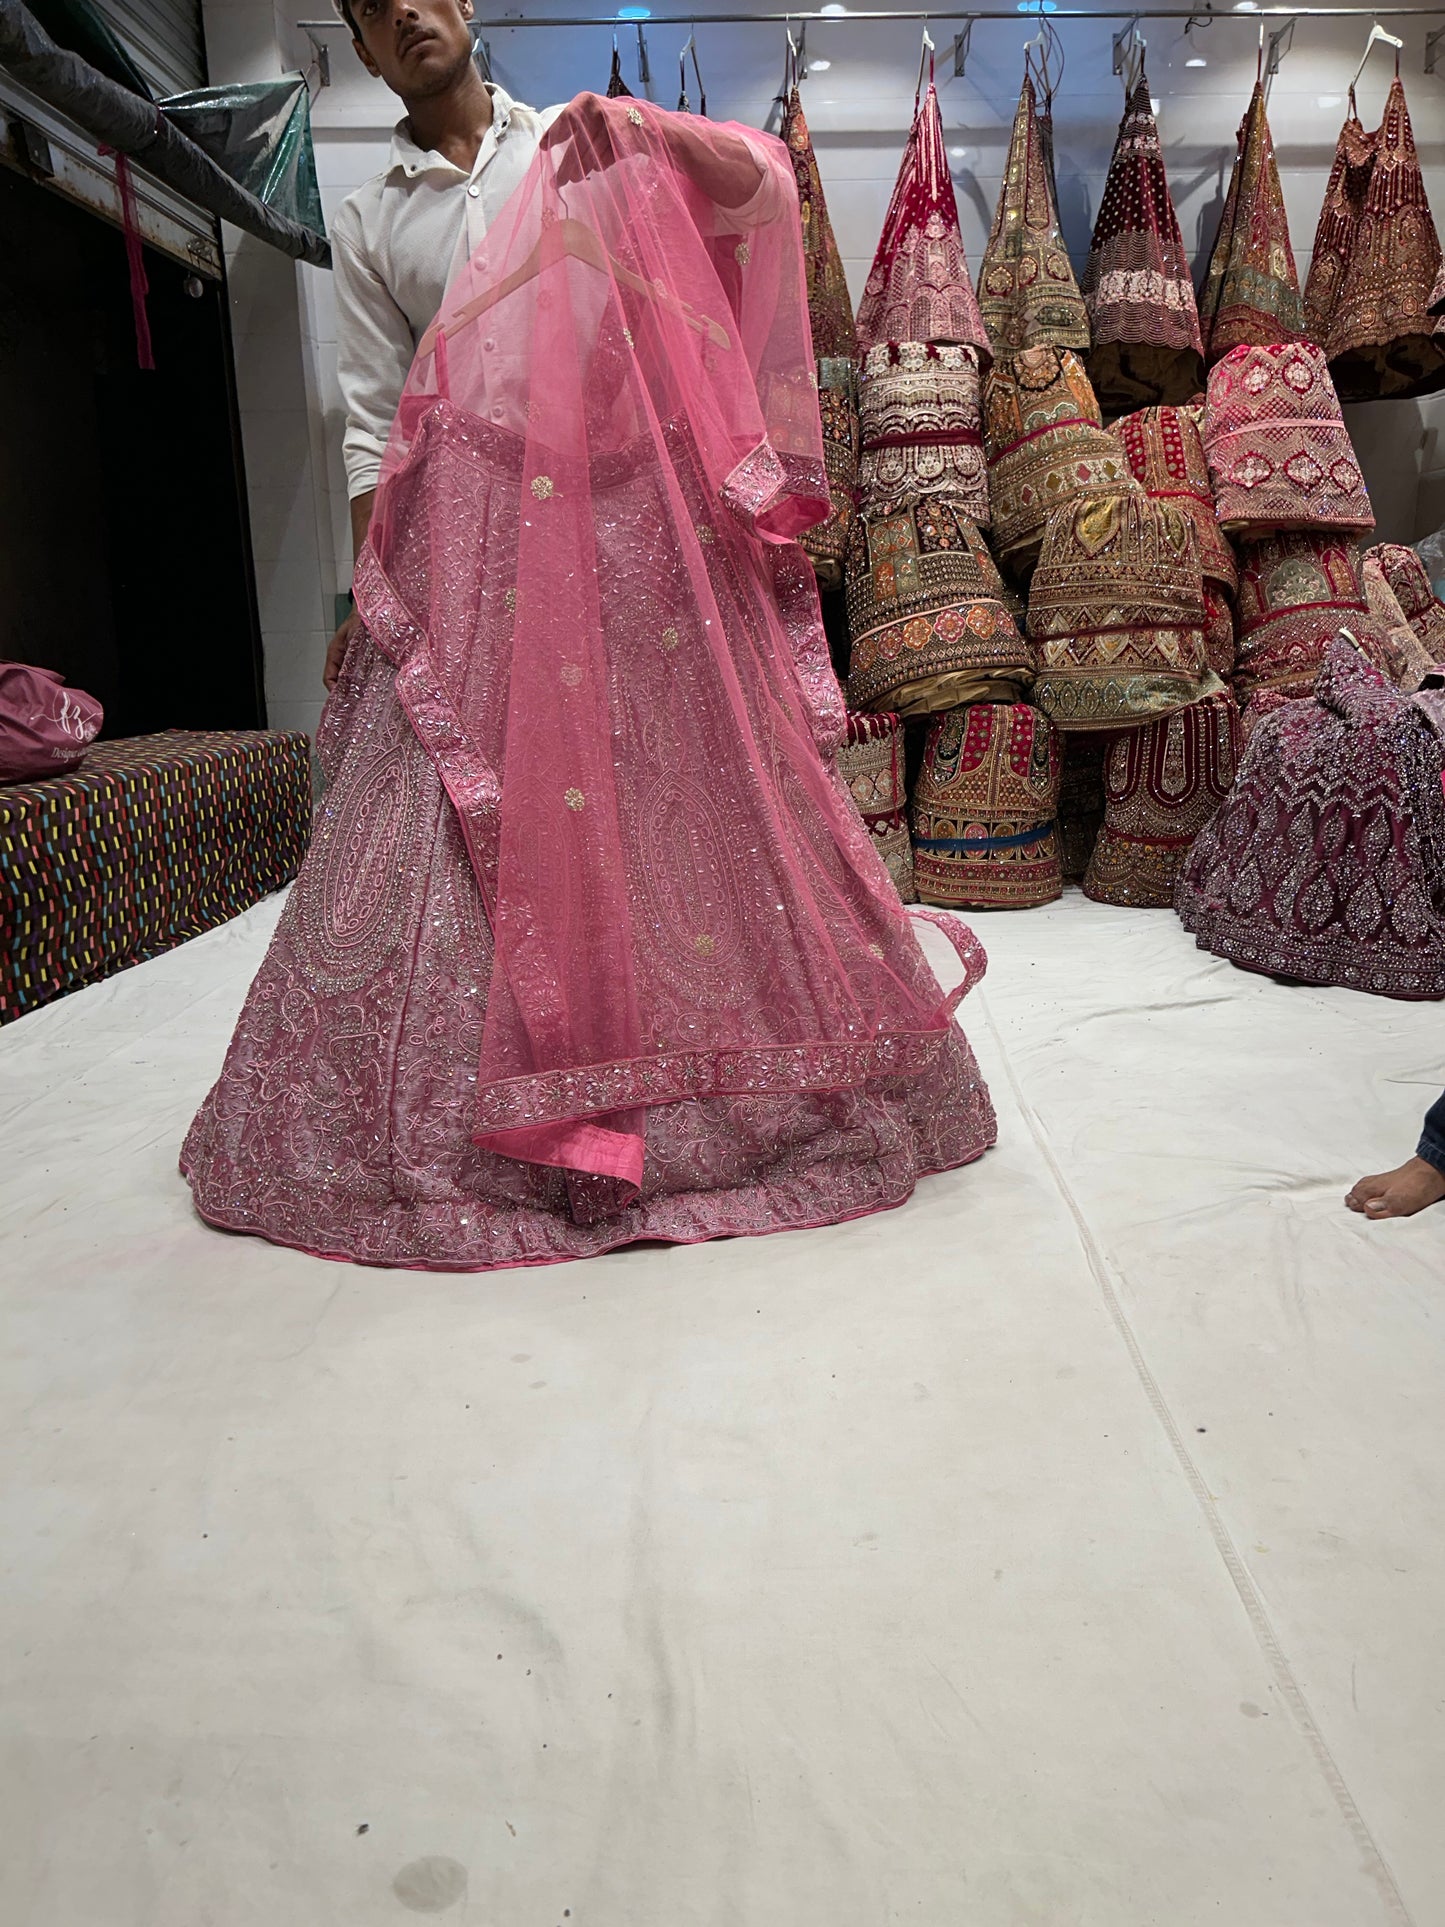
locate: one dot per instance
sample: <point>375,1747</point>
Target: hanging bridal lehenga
<point>1375,263</point>
<point>1251,294</point>
<point>835,341</point>
<point>1143,318</point>
<point>591,945</point>
<point>1027,291</point>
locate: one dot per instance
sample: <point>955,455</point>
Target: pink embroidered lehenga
<point>591,945</point>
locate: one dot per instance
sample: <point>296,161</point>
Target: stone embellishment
<point>510,598</point>
<point>1279,454</point>
<point>742,254</point>
<point>704,945</point>
<point>634,114</point>
<point>542,487</point>
<point>571,674</point>
<point>705,533</point>
<point>575,800</point>
<point>668,639</point>
<point>627,337</point>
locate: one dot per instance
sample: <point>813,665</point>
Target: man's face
<point>418,47</point>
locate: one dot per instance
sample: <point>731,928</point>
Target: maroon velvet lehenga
<point>1326,862</point>
<point>591,945</point>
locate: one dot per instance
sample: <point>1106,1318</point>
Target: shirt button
<point>474,190</point>
<point>489,342</point>
<point>498,412</point>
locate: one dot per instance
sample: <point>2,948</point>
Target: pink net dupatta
<point>583,565</point>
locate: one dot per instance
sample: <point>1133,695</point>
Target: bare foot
<point>1398,1194</point>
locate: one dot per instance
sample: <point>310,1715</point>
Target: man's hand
<point>336,650</point>
<point>583,130</point>
<point>722,165</point>
<point>361,507</point>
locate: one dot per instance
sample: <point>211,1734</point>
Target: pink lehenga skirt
<point>342,1120</point>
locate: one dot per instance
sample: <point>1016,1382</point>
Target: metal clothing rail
<point>1017,16</point>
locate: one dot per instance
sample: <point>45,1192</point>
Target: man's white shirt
<point>395,245</point>
<point>397,242</point>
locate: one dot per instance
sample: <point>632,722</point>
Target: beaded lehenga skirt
<point>342,1121</point>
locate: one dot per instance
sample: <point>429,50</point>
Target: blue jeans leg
<point>1432,1142</point>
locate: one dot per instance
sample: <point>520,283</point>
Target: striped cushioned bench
<point>150,841</point>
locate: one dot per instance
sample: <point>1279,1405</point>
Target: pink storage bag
<point>44,727</point>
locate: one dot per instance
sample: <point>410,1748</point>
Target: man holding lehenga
<point>591,945</point>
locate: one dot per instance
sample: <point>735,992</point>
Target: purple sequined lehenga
<point>1326,862</point>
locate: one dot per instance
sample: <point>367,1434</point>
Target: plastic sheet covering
<point>114,116</point>
<point>260,132</point>
<point>78,26</point>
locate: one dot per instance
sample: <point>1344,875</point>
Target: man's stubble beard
<point>444,82</point>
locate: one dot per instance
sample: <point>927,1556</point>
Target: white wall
<point>859,111</point>
<point>282,425</point>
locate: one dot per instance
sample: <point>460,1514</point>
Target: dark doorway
<point>124,553</point>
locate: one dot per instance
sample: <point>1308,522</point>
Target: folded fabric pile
<point>1280,456</point>
<point>1047,448</point>
<point>921,432</point>
<point>1296,592</point>
<point>1410,580</point>
<point>1116,613</point>
<point>927,626</point>
<point>985,809</point>
<point>1165,453</point>
<point>1092,570</point>
<point>1392,645</point>
<point>1162,785</point>
<point>926,614</point>
<point>870,762</point>
<point>1289,490</point>
<point>985,803</point>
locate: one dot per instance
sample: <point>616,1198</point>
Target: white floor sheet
<point>1066,1549</point>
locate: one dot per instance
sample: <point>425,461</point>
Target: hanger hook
<point>925,56</point>
<point>1377,34</point>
